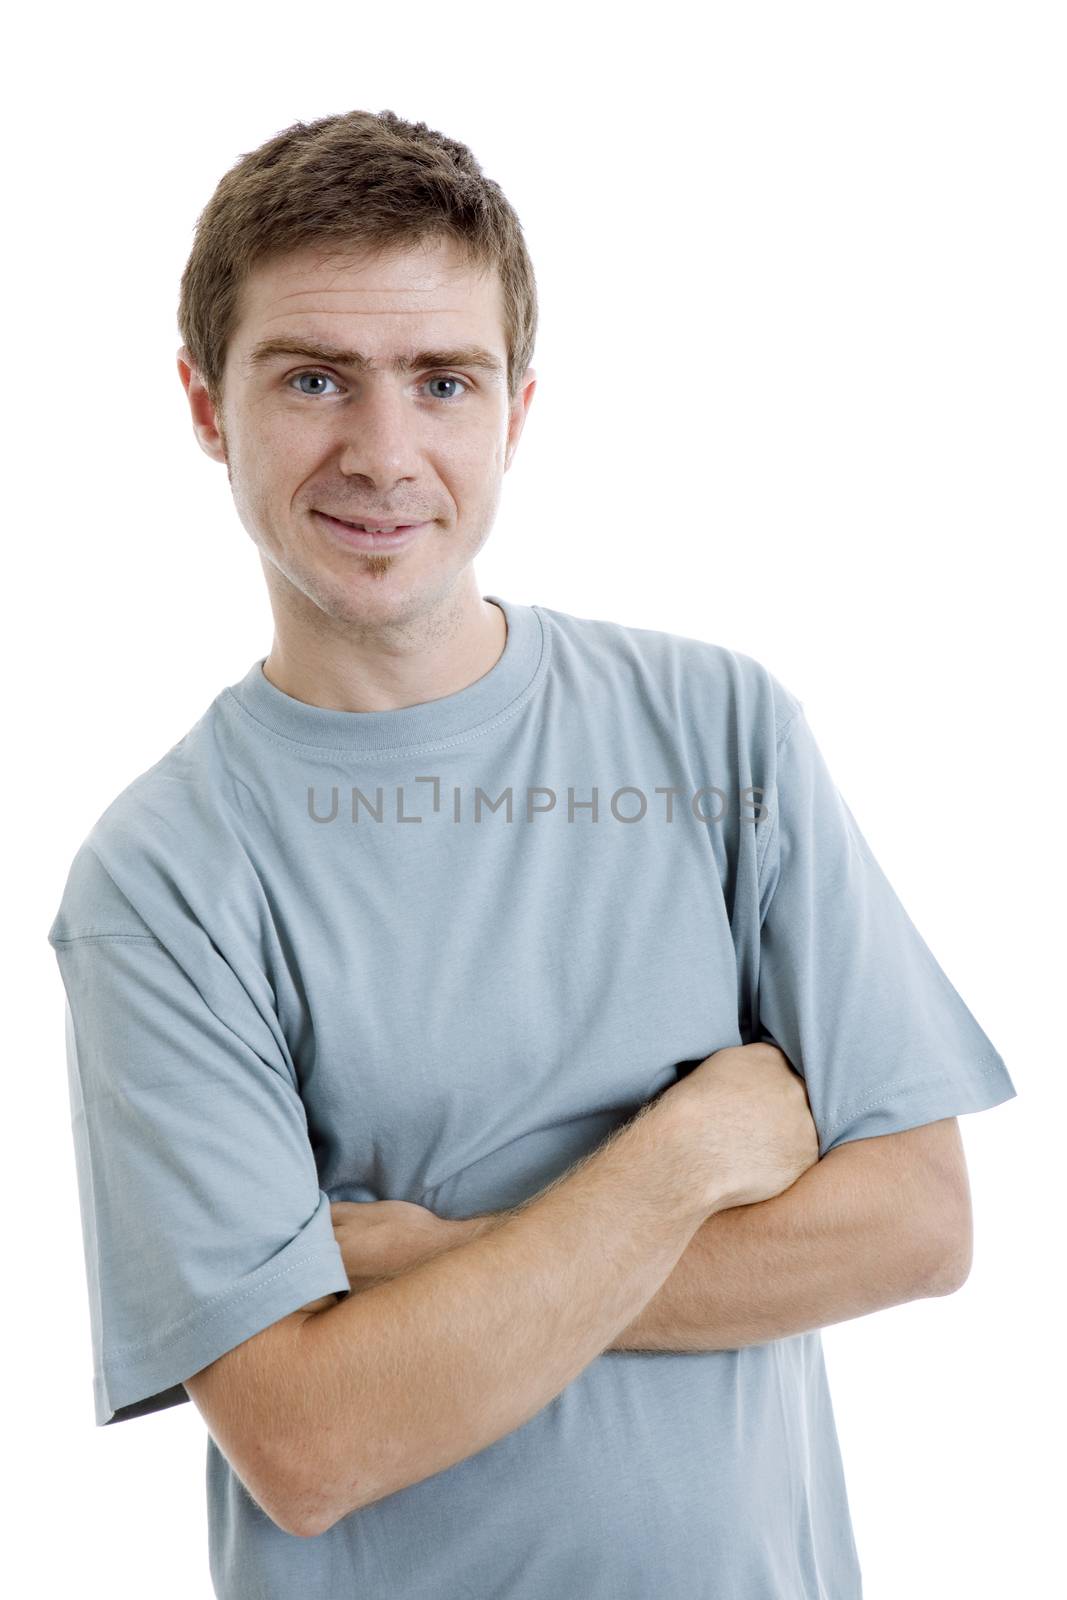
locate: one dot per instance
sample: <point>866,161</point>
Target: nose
<point>380,438</point>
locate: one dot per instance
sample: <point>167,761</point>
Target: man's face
<point>303,435</point>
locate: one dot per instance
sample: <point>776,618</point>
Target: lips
<point>346,536</point>
<point>379,525</point>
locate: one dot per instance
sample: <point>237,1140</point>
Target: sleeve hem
<point>917,1100</point>
<point>151,1373</point>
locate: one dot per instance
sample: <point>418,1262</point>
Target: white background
<point>801,376</point>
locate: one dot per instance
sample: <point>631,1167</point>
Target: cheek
<point>274,433</point>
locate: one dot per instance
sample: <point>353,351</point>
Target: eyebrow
<point>268,350</point>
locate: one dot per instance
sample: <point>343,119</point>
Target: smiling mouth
<point>354,536</point>
<point>363,527</point>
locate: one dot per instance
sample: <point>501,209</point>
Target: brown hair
<point>364,179</point>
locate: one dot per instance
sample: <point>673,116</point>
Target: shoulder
<point>694,676</point>
<point>171,822</point>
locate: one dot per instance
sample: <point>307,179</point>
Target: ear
<point>517,418</point>
<point>206,425</point>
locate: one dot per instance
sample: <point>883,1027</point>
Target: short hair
<point>362,179</point>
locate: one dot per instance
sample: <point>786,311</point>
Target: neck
<point>385,670</point>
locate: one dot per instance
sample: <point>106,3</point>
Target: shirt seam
<point>762,852</point>
<point>887,1092</point>
<point>282,1071</point>
<point>116,1354</point>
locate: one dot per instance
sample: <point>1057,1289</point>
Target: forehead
<point>333,292</point>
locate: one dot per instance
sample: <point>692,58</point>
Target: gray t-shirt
<point>438,954</point>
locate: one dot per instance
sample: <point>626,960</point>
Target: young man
<point>411,922</point>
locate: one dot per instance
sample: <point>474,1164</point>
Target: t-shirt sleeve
<point>847,987</point>
<point>202,1217</point>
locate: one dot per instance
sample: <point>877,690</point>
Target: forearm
<point>413,1375</point>
<point>844,1240</point>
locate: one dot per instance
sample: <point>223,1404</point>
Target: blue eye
<point>324,377</point>
<point>446,377</point>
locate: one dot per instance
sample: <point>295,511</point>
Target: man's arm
<point>875,1223</point>
<point>330,1410</point>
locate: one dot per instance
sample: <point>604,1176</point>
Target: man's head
<point>392,281</point>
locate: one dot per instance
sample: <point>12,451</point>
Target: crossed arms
<point>875,1223</point>
<point>437,1363</point>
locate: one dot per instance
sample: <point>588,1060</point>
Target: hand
<point>750,1108</point>
<point>381,1239</point>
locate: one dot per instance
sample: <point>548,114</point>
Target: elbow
<point>312,1507</point>
<point>296,1503</point>
<point>945,1242</point>
<point>304,1517</point>
<point>284,1489</point>
<point>296,1512</point>
<point>314,1478</point>
<point>295,1528</point>
<point>304,1510</point>
<point>957,1266</point>
<point>309,1520</point>
<point>953,1275</point>
<point>952,1266</point>
<point>304,1529</point>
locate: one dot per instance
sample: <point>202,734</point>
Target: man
<point>412,921</point>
